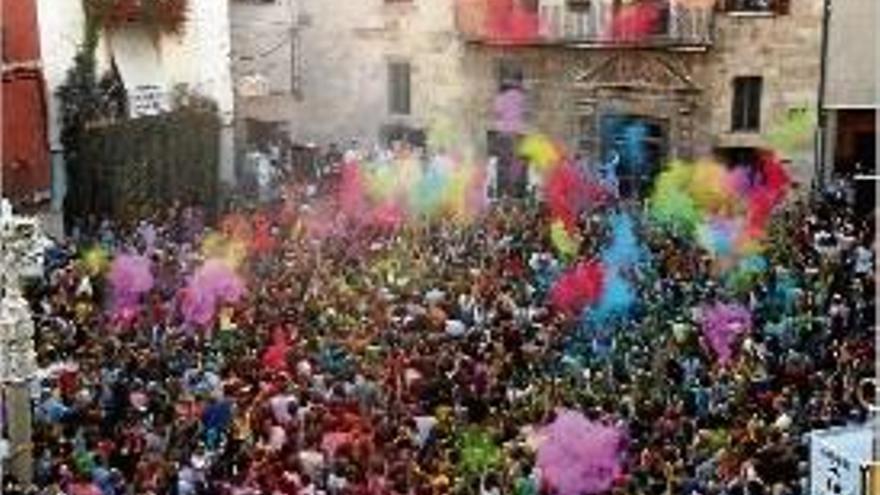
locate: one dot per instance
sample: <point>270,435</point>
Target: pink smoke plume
<point>766,195</point>
<point>722,325</point>
<point>635,22</point>
<point>213,284</point>
<point>388,215</point>
<point>568,193</point>
<point>352,201</point>
<point>509,21</point>
<point>129,277</point>
<point>581,285</point>
<point>577,456</point>
<point>509,109</point>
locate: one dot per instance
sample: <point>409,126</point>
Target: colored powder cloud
<point>579,286</point>
<point>635,22</point>
<point>711,187</point>
<point>577,456</point>
<point>213,284</point>
<point>670,204</point>
<point>764,196</point>
<point>568,193</point>
<point>794,132</point>
<point>540,152</point>
<point>402,187</point>
<point>617,300</point>
<point>231,250</point>
<point>624,249</point>
<point>130,277</point>
<point>722,325</point>
<point>719,235</point>
<point>565,243</point>
<point>95,260</point>
<point>509,109</point>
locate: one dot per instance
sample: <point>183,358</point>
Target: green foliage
<point>134,167</point>
<point>158,16</point>
<point>128,168</point>
<point>478,453</point>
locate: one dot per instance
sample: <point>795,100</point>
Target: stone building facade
<point>586,82</point>
<point>375,69</point>
<point>851,99</point>
<point>783,48</point>
<point>677,83</point>
<point>151,68</point>
<point>265,68</point>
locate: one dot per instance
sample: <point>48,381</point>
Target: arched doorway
<point>634,113</point>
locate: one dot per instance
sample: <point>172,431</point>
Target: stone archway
<point>654,86</point>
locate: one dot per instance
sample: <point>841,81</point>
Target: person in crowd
<point>355,362</point>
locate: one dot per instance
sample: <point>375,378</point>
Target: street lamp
<point>21,253</point>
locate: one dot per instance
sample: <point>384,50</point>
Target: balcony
<point>166,16</point>
<point>588,24</point>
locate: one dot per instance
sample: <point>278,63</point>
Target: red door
<point>25,151</point>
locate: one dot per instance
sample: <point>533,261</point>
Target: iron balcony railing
<point>597,23</point>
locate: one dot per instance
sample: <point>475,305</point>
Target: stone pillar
<point>18,414</point>
<point>21,246</point>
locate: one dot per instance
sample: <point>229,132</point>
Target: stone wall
<point>569,90</point>
<point>689,91</point>
<point>853,54</point>
<point>346,50</point>
<point>785,50</point>
<point>264,40</point>
<point>198,58</point>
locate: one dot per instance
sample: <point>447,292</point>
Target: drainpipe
<point>821,137</point>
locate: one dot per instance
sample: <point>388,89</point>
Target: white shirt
<point>280,405</point>
<point>424,425</point>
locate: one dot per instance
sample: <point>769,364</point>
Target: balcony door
<point>635,148</point>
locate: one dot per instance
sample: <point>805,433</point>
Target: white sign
<point>836,459</point>
<point>147,99</point>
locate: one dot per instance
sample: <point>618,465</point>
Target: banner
<point>836,459</point>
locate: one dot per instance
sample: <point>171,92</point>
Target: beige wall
<point>345,78</point>
<point>785,50</point>
<point>264,37</point>
<point>346,49</point>
<point>852,54</point>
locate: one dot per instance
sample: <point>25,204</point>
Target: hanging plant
<point>159,16</point>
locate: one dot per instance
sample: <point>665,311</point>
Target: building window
<point>510,75</point>
<point>399,88</point>
<point>768,6</point>
<point>746,104</point>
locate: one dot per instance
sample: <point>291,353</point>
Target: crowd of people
<point>357,359</point>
